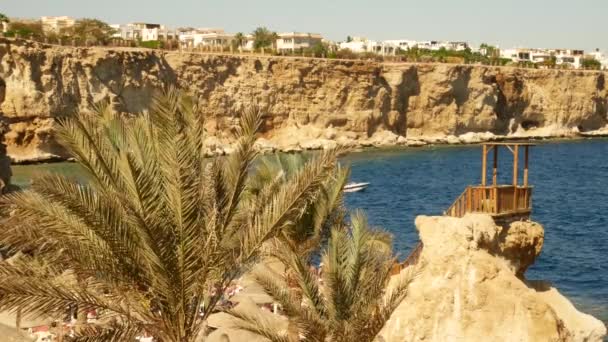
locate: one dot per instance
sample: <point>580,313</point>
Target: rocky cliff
<point>472,287</point>
<point>310,103</point>
<point>5,162</point>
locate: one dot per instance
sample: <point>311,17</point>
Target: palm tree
<point>263,38</point>
<point>157,231</point>
<point>354,299</point>
<point>304,236</point>
<point>239,38</point>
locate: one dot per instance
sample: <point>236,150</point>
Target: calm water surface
<point>570,200</point>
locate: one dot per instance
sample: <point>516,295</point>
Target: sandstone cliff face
<point>469,289</point>
<point>5,162</point>
<point>310,102</point>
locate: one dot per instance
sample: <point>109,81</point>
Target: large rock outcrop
<point>311,103</point>
<point>472,287</point>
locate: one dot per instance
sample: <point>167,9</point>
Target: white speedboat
<point>354,187</point>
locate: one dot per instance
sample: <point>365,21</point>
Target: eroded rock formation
<point>311,103</point>
<point>472,288</point>
<point>5,162</point>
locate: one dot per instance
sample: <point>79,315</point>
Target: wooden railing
<point>494,200</point>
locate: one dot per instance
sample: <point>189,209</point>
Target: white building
<point>600,57</point>
<point>569,57</point>
<point>516,55</point>
<point>391,46</point>
<point>56,24</point>
<point>402,44</point>
<point>205,37</point>
<point>248,43</point>
<point>357,44</point>
<point>143,31</point>
<point>293,41</point>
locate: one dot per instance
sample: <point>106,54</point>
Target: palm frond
<point>259,326</point>
<point>106,333</point>
<point>159,228</point>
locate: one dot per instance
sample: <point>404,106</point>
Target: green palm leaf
<point>156,228</point>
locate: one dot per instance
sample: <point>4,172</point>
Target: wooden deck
<point>500,200</point>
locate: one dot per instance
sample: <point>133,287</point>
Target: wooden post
<point>495,199</point>
<point>484,162</point>
<point>484,165</point>
<point>515,169</point>
<point>527,191</point>
<point>515,166</point>
<point>526,166</point>
<point>469,200</point>
<point>495,169</point>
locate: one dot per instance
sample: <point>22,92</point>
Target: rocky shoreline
<point>382,140</point>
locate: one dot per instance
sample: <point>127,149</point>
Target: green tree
<point>25,29</point>
<point>349,39</point>
<point>263,38</point>
<point>92,31</point>
<point>355,300</point>
<point>238,40</point>
<point>490,51</point>
<point>159,228</point>
<point>551,62</point>
<point>590,63</point>
<point>318,50</point>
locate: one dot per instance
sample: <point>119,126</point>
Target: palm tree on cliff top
<point>158,230</point>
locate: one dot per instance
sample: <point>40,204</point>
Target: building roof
<point>300,35</point>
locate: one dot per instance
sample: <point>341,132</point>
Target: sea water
<point>570,199</point>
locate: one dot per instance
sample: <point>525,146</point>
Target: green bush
<point>591,64</point>
<point>151,44</point>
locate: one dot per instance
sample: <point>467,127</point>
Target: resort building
<point>600,57</point>
<point>143,31</point>
<point>402,44</point>
<point>205,37</point>
<point>357,44</point>
<point>294,41</point>
<point>247,43</point>
<point>540,56</point>
<point>56,24</point>
<point>382,48</point>
<point>516,55</point>
<point>568,57</point>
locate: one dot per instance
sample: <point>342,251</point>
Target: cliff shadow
<point>409,86</point>
<point>511,102</point>
<point>132,88</point>
<point>460,86</point>
<point>394,101</point>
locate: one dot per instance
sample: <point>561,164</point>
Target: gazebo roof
<point>506,143</point>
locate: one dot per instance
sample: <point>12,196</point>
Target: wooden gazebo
<point>498,200</point>
<point>504,202</point>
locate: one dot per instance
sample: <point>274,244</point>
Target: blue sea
<point>570,199</point>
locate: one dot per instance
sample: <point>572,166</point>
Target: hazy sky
<point>530,23</point>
